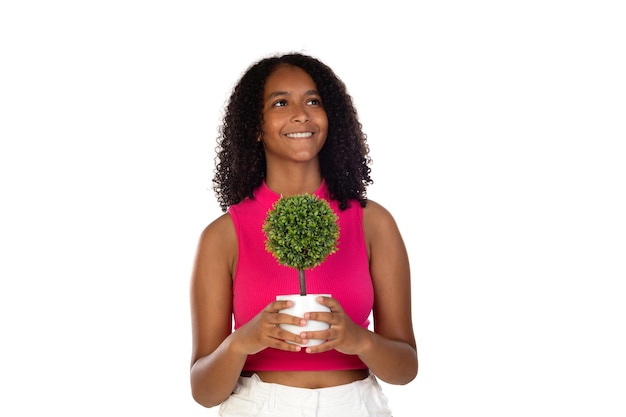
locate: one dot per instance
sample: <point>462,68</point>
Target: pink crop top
<point>260,278</point>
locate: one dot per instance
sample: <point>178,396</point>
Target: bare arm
<point>218,354</point>
<point>215,366</point>
<point>390,351</point>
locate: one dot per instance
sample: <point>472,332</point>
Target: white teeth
<point>300,135</point>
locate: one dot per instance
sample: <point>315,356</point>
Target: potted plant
<point>301,232</point>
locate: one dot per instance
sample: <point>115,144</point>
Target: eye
<point>279,103</point>
<point>315,102</point>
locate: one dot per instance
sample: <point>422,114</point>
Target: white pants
<point>255,398</point>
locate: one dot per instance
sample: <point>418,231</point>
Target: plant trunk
<point>302,281</point>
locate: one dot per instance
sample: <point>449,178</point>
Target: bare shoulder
<point>377,218</point>
<point>222,226</point>
<point>375,208</point>
<point>381,231</point>
<point>219,240</point>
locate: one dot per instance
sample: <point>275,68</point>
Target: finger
<point>281,318</point>
<point>288,340</point>
<point>281,344</point>
<point>276,306</point>
<point>326,301</point>
<point>321,316</point>
<point>318,335</point>
<point>330,302</point>
<point>322,347</point>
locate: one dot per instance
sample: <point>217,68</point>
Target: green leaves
<point>301,231</point>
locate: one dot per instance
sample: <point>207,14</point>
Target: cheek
<point>269,126</point>
<point>324,126</point>
<point>320,119</point>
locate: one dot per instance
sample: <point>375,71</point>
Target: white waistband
<point>321,397</point>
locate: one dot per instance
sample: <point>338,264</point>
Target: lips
<point>299,135</point>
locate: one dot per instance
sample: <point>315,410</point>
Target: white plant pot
<point>303,304</point>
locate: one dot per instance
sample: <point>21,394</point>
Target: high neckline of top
<point>266,196</point>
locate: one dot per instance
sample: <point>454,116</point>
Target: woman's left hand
<point>343,335</point>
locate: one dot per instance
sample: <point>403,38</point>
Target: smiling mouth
<point>299,135</point>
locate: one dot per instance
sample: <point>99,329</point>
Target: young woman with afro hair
<point>290,128</point>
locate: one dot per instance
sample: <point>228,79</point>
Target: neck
<point>292,182</point>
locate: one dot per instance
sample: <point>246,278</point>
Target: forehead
<point>287,78</point>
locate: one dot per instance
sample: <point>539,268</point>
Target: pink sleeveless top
<point>260,278</point>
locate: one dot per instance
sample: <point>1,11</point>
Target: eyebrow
<point>284,93</point>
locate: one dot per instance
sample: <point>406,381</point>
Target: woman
<point>290,128</point>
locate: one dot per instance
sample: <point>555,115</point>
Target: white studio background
<point>496,130</point>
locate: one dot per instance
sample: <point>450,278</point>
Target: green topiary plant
<point>301,231</point>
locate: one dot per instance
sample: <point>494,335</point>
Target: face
<point>294,120</point>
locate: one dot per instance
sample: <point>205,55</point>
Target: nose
<point>300,114</point>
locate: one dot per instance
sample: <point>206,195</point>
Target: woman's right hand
<point>264,330</point>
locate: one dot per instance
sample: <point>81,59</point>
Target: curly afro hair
<point>240,160</point>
